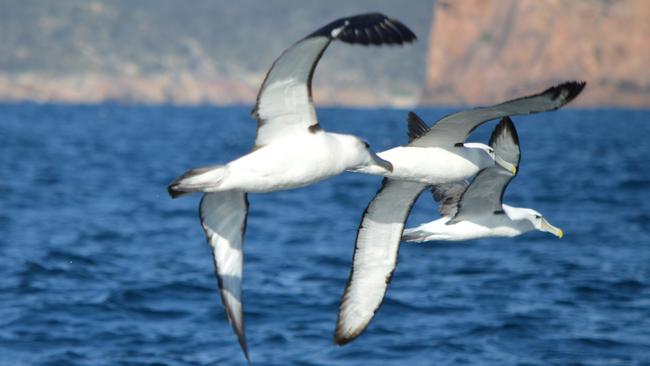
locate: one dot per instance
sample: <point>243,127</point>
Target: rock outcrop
<point>484,51</point>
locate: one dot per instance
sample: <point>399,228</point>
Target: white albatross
<point>476,210</point>
<point>440,155</point>
<point>434,155</point>
<point>291,149</point>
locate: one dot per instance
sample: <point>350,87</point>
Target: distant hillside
<point>218,51</point>
<point>200,51</point>
<point>483,51</point>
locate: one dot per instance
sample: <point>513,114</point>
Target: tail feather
<point>173,193</point>
<point>413,235</point>
<point>205,179</point>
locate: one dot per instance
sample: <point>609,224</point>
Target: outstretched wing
<point>505,141</point>
<point>448,195</point>
<point>485,194</point>
<point>284,103</point>
<point>375,256</point>
<point>456,127</point>
<point>223,218</point>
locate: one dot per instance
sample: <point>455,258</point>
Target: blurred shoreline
<point>183,89</point>
<point>474,52</point>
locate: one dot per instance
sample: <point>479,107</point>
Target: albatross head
<point>534,218</point>
<point>489,151</point>
<point>541,224</point>
<point>360,158</point>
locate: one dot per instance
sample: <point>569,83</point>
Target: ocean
<point>98,266</point>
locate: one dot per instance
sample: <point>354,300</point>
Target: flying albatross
<point>440,154</point>
<point>433,156</point>
<point>476,210</point>
<point>291,149</point>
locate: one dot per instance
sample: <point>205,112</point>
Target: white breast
<point>291,162</point>
<point>434,165</point>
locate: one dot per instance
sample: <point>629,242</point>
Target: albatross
<point>476,210</point>
<point>433,155</point>
<point>440,154</point>
<point>291,149</point>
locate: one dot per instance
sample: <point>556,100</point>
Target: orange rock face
<point>485,51</point>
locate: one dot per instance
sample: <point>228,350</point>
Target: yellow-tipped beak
<point>512,168</point>
<point>552,229</point>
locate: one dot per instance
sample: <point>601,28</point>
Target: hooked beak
<point>384,164</point>
<point>512,168</point>
<point>552,229</point>
<point>376,166</point>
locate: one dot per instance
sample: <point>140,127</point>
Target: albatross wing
<point>223,218</point>
<point>375,256</point>
<point>379,234</point>
<point>456,127</point>
<point>284,103</point>
<point>484,196</point>
<point>448,195</point>
<point>416,127</point>
<point>505,142</point>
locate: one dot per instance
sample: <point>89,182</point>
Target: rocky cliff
<point>484,51</point>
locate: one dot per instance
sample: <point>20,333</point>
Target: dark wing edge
<point>223,218</point>
<point>487,189</point>
<point>505,142</point>
<point>448,195</point>
<point>567,90</point>
<point>561,94</point>
<point>551,99</point>
<point>370,28</point>
<point>367,29</point>
<point>310,75</point>
<point>416,126</point>
<point>484,195</point>
<point>375,256</point>
<point>467,121</point>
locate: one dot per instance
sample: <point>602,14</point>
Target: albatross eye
<point>538,217</point>
<point>366,144</point>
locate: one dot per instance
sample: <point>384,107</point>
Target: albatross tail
<point>206,179</point>
<point>415,235</point>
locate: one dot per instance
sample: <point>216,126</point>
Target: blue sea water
<point>98,266</point>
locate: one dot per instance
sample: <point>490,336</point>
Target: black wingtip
<point>568,90</point>
<point>576,88</point>
<point>244,348</point>
<point>507,128</point>
<point>416,126</point>
<point>341,340</point>
<point>367,29</point>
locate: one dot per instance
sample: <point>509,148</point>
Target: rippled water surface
<point>98,266</point>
